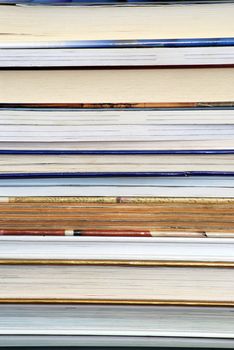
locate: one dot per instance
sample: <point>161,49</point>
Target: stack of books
<point>116,173</point>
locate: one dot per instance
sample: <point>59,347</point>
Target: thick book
<point>199,34</point>
<point>41,24</point>
<point>148,130</point>
<point>108,165</point>
<point>144,53</point>
<point>201,215</point>
<point>117,87</point>
<point>120,325</point>
<point>115,281</point>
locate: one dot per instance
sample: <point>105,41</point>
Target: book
<point>73,340</point>
<point>117,213</point>
<point>123,165</point>
<point>42,24</point>
<point>64,131</point>
<point>120,87</point>
<point>48,55</point>
<point>115,282</point>
<point>126,42</point>
<point>184,246</point>
<point>160,325</point>
<point>151,186</point>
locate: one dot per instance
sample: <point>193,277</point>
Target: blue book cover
<point>114,174</point>
<point>108,44</point>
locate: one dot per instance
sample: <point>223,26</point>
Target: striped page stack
<point>116,173</point>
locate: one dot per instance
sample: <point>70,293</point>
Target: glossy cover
<point>105,44</point>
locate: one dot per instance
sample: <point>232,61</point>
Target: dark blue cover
<point>115,174</point>
<point>113,152</point>
<point>118,44</point>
